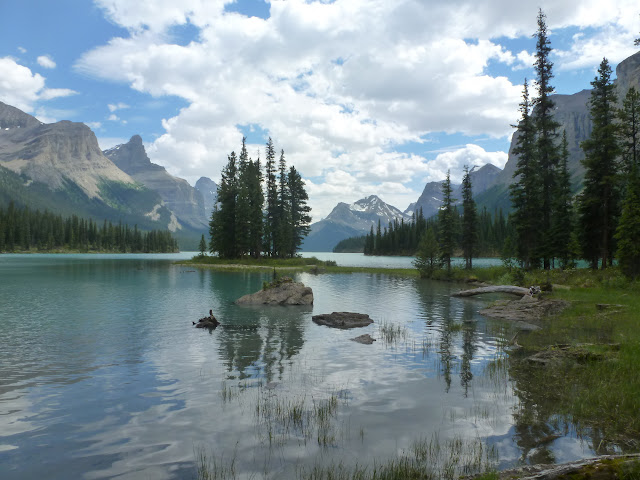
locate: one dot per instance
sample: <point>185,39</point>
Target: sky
<point>364,96</point>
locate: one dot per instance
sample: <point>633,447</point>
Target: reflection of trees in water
<point>254,341</point>
<point>468,346</point>
<point>446,314</point>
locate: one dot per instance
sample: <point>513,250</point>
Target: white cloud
<point>46,61</point>
<point>94,125</point>
<point>50,93</point>
<point>117,106</point>
<point>455,161</point>
<point>341,85</point>
<point>109,142</point>
<point>113,118</point>
<point>22,50</point>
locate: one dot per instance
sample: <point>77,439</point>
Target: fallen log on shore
<point>512,289</point>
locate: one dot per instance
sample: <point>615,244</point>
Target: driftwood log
<point>519,291</point>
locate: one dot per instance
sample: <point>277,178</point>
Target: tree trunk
<point>514,290</point>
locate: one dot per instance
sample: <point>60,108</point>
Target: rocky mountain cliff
<point>60,167</point>
<point>181,198</point>
<point>352,220</point>
<point>431,197</point>
<point>209,190</point>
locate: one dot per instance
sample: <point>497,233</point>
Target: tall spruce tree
<point>629,130</point>
<point>628,231</point>
<point>447,224</point>
<point>546,130</point>
<point>222,227</point>
<point>562,225</point>
<point>525,191</point>
<point>469,220</point>
<point>243,206</point>
<point>256,204</point>
<point>599,199</point>
<point>271,213</point>
<point>427,255</point>
<point>300,217</point>
<point>283,233</point>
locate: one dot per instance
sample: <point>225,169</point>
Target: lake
<point>103,375</point>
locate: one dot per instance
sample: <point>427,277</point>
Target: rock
<point>365,339</point>
<point>343,320</point>
<point>525,313</point>
<point>287,293</point>
<point>210,322</point>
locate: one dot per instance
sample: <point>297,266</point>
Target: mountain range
<point>60,167</point>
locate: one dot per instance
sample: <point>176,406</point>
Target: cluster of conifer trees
<point>550,224</point>
<point>250,221</point>
<point>22,229</point>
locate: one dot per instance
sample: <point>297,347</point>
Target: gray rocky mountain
<point>209,190</point>
<point>431,197</point>
<point>177,195</point>
<point>352,220</point>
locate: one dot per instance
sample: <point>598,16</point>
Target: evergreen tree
<point>256,204</point>
<point>203,246</point>
<point>222,227</point>
<point>447,224</point>
<point>562,226</point>
<point>525,190</point>
<point>427,256</point>
<point>628,232</point>
<point>271,214</point>
<point>599,199</point>
<point>243,202</point>
<point>469,220</point>
<point>546,126</point>
<point>629,130</point>
<point>300,211</point>
<point>284,235</point>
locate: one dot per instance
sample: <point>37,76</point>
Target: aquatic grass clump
<point>425,460</point>
<point>391,332</point>
<point>211,467</point>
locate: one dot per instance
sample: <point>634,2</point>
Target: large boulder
<point>343,320</point>
<point>285,293</point>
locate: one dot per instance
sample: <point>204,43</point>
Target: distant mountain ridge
<point>350,220</point>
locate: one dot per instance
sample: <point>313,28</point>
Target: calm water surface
<point>102,374</point>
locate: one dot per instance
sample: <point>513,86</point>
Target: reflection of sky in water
<point>102,373</point>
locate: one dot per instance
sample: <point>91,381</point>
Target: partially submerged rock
<point>365,339</point>
<point>286,293</point>
<point>343,320</point>
<point>527,312</point>
<point>209,322</point>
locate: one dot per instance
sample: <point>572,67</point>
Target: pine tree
<point>525,190</point>
<point>243,206</point>
<point>629,130</point>
<point>599,199</point>
<point>562,225</point>
<point>427,256</point>
<point>628,231</point>
<point>469,221</point>
<point>222,227</point>
<point>271,214</point>
<point>300,211</point>
<point>283,237</point>
<point>256,204</point>
<point>446,224</point>
<point>203,246</point>
<point>546,129</point>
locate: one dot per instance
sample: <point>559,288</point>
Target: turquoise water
<point>102,374</point>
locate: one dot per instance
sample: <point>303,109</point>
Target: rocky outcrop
<point>525,313</point>
<point>181,198</point>
<point>11,117</point>
<point>365,339</point>
<point>343,320</point>
<point>285,293</point>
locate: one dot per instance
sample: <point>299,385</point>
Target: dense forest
<point>402,238</point>
<point>259,214</point>
<point>22,229</point>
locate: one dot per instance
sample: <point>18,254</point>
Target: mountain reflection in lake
<point>102,373</point>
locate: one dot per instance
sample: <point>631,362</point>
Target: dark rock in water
<point>286,293</point>
<point>207,322</point>
<point>365,339</point>
<point>343,320</point>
